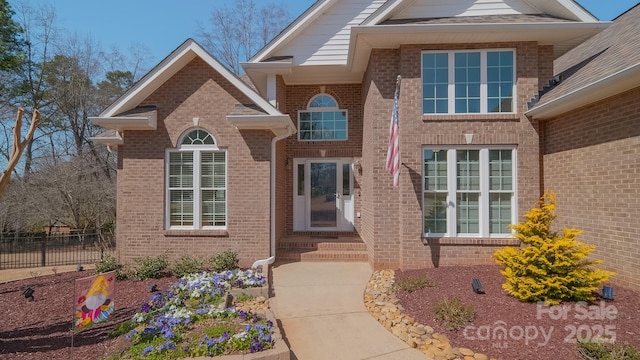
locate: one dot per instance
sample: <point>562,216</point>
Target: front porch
<point>335,246</point>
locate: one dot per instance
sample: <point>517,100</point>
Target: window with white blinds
<point>197,183</point>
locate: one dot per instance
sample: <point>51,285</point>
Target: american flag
<point>393,151</point>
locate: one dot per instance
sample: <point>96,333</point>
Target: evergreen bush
<point>151,267</point>
<point>186,265</point>
<point>552,267</point>
<point>226,260</point>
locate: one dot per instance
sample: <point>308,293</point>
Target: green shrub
<point>597,350</point>
<point>552,267</point>
<point>122,329</point>
<point>226,260</point>
<point>110,263</point>
<point>186,265</point>
<point>218,330</point>
<point>151,267</point>
<point>244,297</point>
<point>412,283</point>
<point>453,313</point>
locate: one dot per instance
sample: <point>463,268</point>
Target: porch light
<point>28,293</point>
<point>357,166</point>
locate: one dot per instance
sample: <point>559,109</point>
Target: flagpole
<point>393,151</point>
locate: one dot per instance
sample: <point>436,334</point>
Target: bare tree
<point>18,146</point>
<point>29,89</point>
<point>237,32</point>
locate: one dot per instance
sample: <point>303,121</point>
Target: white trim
<point>114,140</point>
<point>484,191</point>
<point>196,150</point>
<point>173,63</point>
<point>320,110</point>
<point>484,96</point>
<point>611,85</point>
<point>121,123</point>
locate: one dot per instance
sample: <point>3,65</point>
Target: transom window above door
<point>322,120</point>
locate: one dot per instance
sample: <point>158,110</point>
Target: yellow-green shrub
<point>553,267</point>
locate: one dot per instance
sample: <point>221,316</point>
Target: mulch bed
<point>524,322</point>
<point>41,329</point>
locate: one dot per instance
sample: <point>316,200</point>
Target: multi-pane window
<point>468,192</point>
<point>322,120</point>
<point>197,183</point>
<point>468,82</point>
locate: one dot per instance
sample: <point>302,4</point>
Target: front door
<point>323,199</point>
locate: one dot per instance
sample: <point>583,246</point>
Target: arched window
<point>322,120</point>
<point>197,183</point>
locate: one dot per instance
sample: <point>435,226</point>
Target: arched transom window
<point>322,120</point>
<point>197,183</point>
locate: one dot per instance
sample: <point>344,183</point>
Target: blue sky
<point>162,25</point>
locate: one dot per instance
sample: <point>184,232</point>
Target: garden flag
<point>94,299</point>
<point>393,151</point>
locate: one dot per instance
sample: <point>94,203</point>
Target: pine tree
<point>552,267</point>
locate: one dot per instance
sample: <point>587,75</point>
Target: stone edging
<point>384,306</point>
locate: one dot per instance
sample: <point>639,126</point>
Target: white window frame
<point>484,204</point>
<point>336,108</point>
<point>451,89</point>
<point>197,150</point>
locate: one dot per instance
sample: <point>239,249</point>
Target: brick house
<point>590,124</point>
<point>296,168</point>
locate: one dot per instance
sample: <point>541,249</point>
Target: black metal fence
<point>20,250</point>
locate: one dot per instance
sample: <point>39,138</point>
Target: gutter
<point>613,84</point>
<point>272,258</point>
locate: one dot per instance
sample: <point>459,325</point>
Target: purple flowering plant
<point>166,324</point>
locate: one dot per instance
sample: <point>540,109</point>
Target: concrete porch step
<point>322,255</point>
<point>322,247</point>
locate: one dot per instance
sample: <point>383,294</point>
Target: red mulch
<point>41,329</point>
<point>496,305</point>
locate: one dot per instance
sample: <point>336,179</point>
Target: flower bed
<point>191,319</point>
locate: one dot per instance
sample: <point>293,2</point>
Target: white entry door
<point>323,195</point>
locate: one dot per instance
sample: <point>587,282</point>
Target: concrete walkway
<point>322,313</point>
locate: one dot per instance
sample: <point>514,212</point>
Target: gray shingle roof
<point>487,19</point>
<point>612,50</point>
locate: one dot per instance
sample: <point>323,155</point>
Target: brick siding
<point>392,218</point>
<point>592,163</point>
<point>196,91</point>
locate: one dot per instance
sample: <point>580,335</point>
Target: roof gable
<point>409,9</point>
<point>168,67</point>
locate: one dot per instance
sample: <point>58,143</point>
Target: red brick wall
<point>194,92</point>
<point>380,205</point>
<point>349,98</point>
<point>396,222</point>
<point>592,163</point>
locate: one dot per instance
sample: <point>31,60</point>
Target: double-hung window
<point>323,120</point>
<point>197,183</point>
<point>468,82</point>
<point>469,192</point>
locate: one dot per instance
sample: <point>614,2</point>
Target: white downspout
<point>272,259</point>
